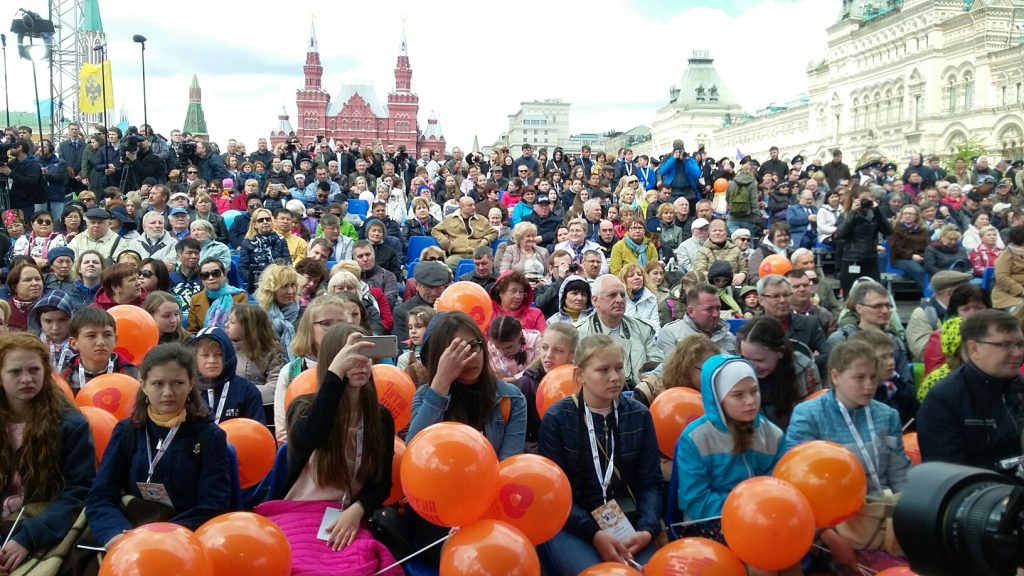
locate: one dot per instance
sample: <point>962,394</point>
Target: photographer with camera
<point>859,229</point>
<point>683,172</point>
<point>140,163</point>
<point>25,174</point>
<point>211,166</point>
<point>974,416</point>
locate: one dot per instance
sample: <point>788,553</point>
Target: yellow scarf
<point>166,421</point>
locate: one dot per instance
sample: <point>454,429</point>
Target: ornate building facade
<point>356,112</point>
<point>899,77</point>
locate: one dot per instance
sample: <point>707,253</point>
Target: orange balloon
<point>814,395</point>
<point>672,411</point>
<point>721,185</point>
<point>774,264</point>
<point>489,548</point>
<point>829,476</point>
<point>911,447</point>
<point>255,449</point>
<point>440,464</point>
<point>897,571</point>
<point>396,474</point>
<point>695,556</point>
<point>136,332</point>
<point>394,392</point>
<point>63,385</point>
<point>101,425</point>
<point>609,569</point>
<point>768,523</point>
<point>534,496</point>
<point>114,393</point>
<point>246,543</point>
<point>470,298</point>
<point>159,549</point>
<point>304,383</point>
<point>557,384</point>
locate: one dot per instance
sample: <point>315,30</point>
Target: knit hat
<point>227,183</point>
<point>720,269</point>
<point>729,375</point>
<point>55,253</point>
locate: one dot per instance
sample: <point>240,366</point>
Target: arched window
<point>888,106</point>
<point>857,114</point>
<point>344,124</point>
<point>951,95</point>
<point>899,105</point>
<point>968,91</point>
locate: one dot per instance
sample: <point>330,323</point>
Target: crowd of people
<point>644,273</point>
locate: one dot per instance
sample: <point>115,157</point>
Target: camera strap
<point>872,460</point>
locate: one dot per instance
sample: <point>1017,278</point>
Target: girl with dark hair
<point>169,456</point>
<point>619,464</point>
<point>785,376</point>
<point>47,461</point>
<point>154,276</point>
<point>730,443</point>
<point>260,354</point>
<point>511,348</point>
<point>340,450</point>
<point>164,309</point>
<point>409,361</point>
<point>462,388</point>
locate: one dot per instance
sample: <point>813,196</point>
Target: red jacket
<point>386,319</point>
<point>529,316</point>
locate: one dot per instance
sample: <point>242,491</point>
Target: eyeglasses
<point>476,346</point>
<point>741,239</point>
<point>44,222</point>
<point>776,296</point>
<point>211,274</point>
<point>264,219</point>
<point>326,324</point>
<point>147,273</point>
<point>879,306</point>
<point>1004,346</point>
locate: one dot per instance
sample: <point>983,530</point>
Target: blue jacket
<point>244,399</point>
<point>520,212</point>
<point>81,295</point>
<point>799,224</point>
<point>78,468</point>
<point>507,438</point>
<point>667,171</point>
<point>820,419</point>
<point>252,260</point>
<point>194,470</point>
<point>705,469</point>
<point>239,228</point>
<point>563,439</point>
<point>56,178</point>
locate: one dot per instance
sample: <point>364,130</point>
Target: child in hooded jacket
<point>227,395</point>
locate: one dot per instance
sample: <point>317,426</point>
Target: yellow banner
<point>91,86</point>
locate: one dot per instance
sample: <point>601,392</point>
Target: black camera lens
<point>954,520</point>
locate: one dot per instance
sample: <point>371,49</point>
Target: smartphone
<point>383,347</point>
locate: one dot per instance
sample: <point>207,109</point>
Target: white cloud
<point>613,59</point>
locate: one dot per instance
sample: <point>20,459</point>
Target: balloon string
<point>692,522</point>
<point>860,567</point>
<point>415,554</point>
<point>11,533</point>
<point>907,425</point>
<point>94,548</point>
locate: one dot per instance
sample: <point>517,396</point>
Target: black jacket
<point>547,228</point>
<point>28,186</point>
<point>859,230</point>
<point>972,419</point>
<point>145,165</point>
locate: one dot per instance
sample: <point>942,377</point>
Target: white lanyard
<point>81,371</point>
<point>645,172</point>
<point>872,463</point>
<point>161,449</point>
<point>220,405</point>
<point>605,478</point>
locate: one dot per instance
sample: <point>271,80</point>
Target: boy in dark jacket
<point>227,395</point>
<point>93,337</point>
<point>50,318</point>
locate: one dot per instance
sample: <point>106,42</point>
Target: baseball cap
<point>176,211</point>
<point>699,223</point>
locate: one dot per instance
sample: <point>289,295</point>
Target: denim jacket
<point>563,439</point>
<point>508,438</point>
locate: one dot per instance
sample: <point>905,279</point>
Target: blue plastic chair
<point>235,275</point>
<point>735,324</point>
<point>236,256</point>
<point>417,244</point>
<point>495,244</point>
<point>358,207</point>
<point>988,279</point>
<point>465,265</point>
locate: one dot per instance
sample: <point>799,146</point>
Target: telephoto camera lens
<point>955,521</point>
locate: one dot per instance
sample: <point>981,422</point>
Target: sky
<point>614,60</point>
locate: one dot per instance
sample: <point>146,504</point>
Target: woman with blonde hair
<point>641,300</point>
<point>260,248</point>
<point>946,253</point>
<point>278,294</point>
<point>523,248</point>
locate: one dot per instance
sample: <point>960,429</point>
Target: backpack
<point>738,198</point>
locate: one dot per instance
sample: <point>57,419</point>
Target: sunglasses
<point>44,222</point>
<point>432,259</point>
<point>147,273</point>
<point>211,274</point>
<point>264,219</point>
<point>192,172</point>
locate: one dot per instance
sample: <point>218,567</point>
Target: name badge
<point>854,269</point>
<point>154,492</point>
<point>330,515</point>
<point>611,519</point>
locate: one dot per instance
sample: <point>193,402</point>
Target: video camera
<point>954,520</point>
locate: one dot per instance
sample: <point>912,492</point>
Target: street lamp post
<point>145,115</point>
